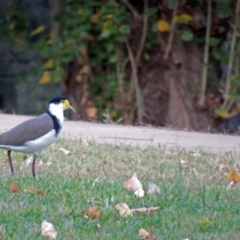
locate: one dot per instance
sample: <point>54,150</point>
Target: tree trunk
<point>169,87</point>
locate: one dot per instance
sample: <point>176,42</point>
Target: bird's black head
<point>57,100</point>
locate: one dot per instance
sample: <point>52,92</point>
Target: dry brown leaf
<point>48,230</point>
<point>152,188</point>
<point>123,209</point>
<point>196,173</point>
<point>233,176</point>
<point>41,192</point>
<point>92,212</point>
<point>144,234</point>
<point>91,112</point>
<point>84,154</point>
<point>65,151</point>
<point>33,190</point>
<point>133,184</point>
<point>14,187</point>
<point>145,210</point>
<point>105,162</point>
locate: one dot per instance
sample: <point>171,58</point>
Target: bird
<point>34,135</point>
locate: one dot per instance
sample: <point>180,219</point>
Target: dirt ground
<point>142,136</point>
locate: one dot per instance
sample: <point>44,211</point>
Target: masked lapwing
<point>32,136</point>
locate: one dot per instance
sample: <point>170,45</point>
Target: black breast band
<point>56,125</point>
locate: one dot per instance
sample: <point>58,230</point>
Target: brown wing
<point>27,131</point>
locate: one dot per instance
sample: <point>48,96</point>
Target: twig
<point>230,63</point>
<point>144,33</point>
<point>136,81</point>
<point>206,53</point>
<point>170,39</point>
<point>135,13</point>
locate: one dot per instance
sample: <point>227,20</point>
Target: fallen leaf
<point>84,154</point>
<point>196,173</point>
<point>98,226</point>
<point>231,185</point>
<point>222,167</point>
<point>123,209</point>
<point>92,212</point>
<point>29,189</point>
<point>48,230</point>
<point>145,210</point>
<point>105,162</point>
<point>152,188</point>
<point>85,142</point>
<point>41,192</point>
<point>91,112</point>
<point>133,184</point>
<point>139,192</point>
<point>14,187</point>
<point>33,190</point>
<point>65,151</point>
<point>184,163</point>
<point>144,234</point>
<point>206,221</point>
<point>233,176</point>
<point>29,160</point>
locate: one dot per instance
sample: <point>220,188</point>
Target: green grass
<point>190,207</point>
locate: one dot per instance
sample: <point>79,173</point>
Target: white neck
<point>57,110</point>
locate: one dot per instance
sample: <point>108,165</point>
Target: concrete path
<point>142,136</point>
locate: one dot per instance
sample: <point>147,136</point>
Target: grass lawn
<point>194,201</point>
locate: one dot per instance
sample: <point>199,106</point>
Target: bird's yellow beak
<point>66,105</point>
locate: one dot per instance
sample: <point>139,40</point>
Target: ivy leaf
<point>213,42</point>
<point>224,12</point>
<point>183,18</point>
<point>49,64</point>
<point>124,29</point>
<point>38,30</point>
<point>187,35</point>
<point>221,112</point>
<point>163,26</point>
<point>46,78</point>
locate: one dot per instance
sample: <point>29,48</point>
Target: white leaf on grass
<point>133,184</point>
<point>48,230</point>
<point>85,142</point>
<point>123,209</point>
<point>65,151</point>
<point>231,185</point>
<point>152,188</point>
<point>145,210</point>
<point>29,160</point>
<point>222,167</point>
<point>184,163</point>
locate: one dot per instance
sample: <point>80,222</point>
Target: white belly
<point>34,146</point>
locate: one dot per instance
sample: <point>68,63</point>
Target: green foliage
<point>187,35</point>
<point>99,28</point>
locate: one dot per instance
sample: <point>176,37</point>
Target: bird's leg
<point>34,165</point>
<point>10,161</point>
